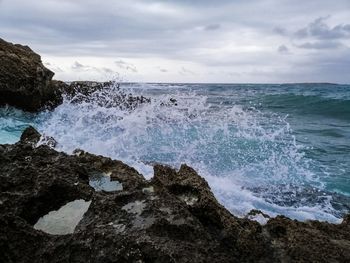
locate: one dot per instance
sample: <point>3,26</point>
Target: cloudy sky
<point>265,41</point>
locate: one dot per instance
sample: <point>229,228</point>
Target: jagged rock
<point>24,81</point>
<point>33,137</point>
<point>311,241</point>
<point>30,135</point>
<point>174,217</point>
<point>105,94</point>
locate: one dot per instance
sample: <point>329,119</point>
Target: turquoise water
<point>283,149</point>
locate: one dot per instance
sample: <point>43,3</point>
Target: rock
<point>174,217</point>
<point>30,136</point>
<point>24,81</point>
<point>104,94</point>
<point>311,241</point>
<point>172,102</point>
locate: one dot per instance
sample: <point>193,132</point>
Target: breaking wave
<point>250,158</point>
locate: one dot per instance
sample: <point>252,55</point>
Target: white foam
<point>235,149</point>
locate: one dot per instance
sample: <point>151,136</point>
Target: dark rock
<point>311,241</point>
<point>174,217</point>
<point>255,212</point>
<point>24,81</point>
<point>30,135</point>
<point>172,102</point>
<point>104,94</point>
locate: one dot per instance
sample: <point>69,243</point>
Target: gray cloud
<point>185,71</point>
<point>79,67</point>
<point>126,66</point>
<point>161,69</point>
<point>321,45</point>
<point>320,30</point>
<point>108,70</point>
<point>212,27</point>
<point>316,36</point>
<point>177,33</point>
<point>283,49</point>
<point>281,31</point>
<point>329,67</point>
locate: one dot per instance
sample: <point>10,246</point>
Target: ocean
<point>282,149</point>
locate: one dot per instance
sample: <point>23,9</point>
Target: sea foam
<point>250,158</point>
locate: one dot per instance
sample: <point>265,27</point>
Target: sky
<point>238,41</point>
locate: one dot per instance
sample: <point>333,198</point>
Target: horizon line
<point>216,83</point>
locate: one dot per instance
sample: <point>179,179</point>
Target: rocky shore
<point>174,217</point>
<point>56,207</point>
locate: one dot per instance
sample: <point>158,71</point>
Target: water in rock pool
<point>64,220</point>
<point>283,149</point>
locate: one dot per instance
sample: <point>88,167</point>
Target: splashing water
<point>249,156</point>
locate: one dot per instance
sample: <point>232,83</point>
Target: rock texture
<point>24,81</point>
<point>172,218</point>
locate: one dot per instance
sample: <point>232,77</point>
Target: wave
<point>12,124</point>
<point>250,159</point>
<point>310,105</point>
<point>238,151</point>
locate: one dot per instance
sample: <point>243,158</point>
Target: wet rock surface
<point>24,81</point>
<point>174,217</point>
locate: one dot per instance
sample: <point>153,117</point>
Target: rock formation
<point>24,81</point>
<point>26,84</point>
<point>174,217</point>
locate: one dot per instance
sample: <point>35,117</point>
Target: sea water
<point>283,149</point>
